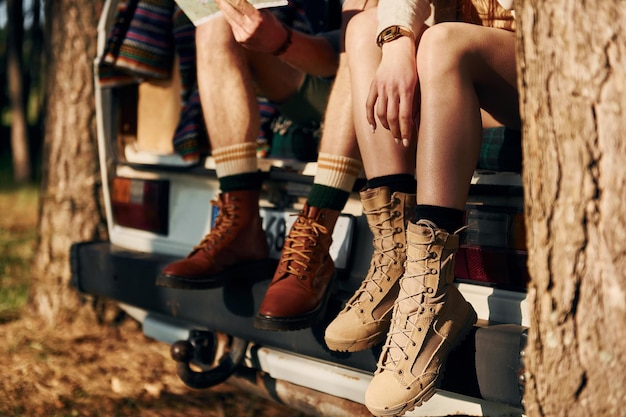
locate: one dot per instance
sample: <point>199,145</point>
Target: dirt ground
<point>85,369</point>
<point>106,371</point>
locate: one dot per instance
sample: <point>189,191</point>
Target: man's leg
<point>229,103</point>
<point>300,286</point>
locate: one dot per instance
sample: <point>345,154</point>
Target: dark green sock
<point>247,181</point>
<point>322,196</point>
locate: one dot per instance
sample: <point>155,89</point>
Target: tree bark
<point>71,200</point>
<point>19,132</point>
<point>572,67</point>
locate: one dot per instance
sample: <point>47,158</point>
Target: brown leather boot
<point>236,239</point>
<point>365,319</point>
<point>297,294</point>
<point>430,317</point>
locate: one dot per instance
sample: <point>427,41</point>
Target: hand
<point>258,30</point>
<point>393,90</point>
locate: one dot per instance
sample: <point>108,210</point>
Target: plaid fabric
<point>267,113</point>
<point>185,47</point>
<point>141,42</point>
<point>109,75</point>
<point>295,141</point>
<point>501,150</point>
<point>190,138</point>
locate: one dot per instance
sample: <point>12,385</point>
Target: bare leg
<point>461,68</point>
<point>381,155</point>
<point>477,69</point>
<point>227,89</point>
<point>366,317</point>
<point>339,137</point>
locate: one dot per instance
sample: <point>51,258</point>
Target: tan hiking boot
<point>430,317</point>
<point>365,319</point>
<point>300,287</point>
<point>236,239</point>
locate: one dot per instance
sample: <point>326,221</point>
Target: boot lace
<point>383,255</point>
<point>409,305</point>
<point>296,252</point>
<point>227,213</point>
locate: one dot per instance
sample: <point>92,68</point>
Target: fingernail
<point>405,143</point>
<point>397,141</point>
<point>373,128</point>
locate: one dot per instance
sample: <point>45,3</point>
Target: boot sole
<point>355,345</point>
<point>284,324</point>
<point>182,283</point>
<point>212,281</point>
<point>431,389</point>
<point>304,321</point>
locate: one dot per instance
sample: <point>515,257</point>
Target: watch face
<point>391,33</point>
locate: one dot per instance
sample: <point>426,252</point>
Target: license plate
<point>277,224</point>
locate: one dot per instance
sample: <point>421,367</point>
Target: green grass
<point>18,234</point>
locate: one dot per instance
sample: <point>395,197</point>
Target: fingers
<point>244,7</point>
<point>405,120</point>
<point>237,12</point>
<point>229,11</point>
<point>372,96</point>
<point>395,115</point>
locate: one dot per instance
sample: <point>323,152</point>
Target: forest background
<point>97,365</point>
<point>70,355</point>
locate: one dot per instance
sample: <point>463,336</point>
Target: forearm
<point>313,55</point>
<point>407,13</point>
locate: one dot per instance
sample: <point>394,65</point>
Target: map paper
<point>199,11</point>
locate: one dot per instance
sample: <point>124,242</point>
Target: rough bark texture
<point>71,208</point>
<point>572,65</point>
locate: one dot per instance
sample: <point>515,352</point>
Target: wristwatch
<point>392,33</point>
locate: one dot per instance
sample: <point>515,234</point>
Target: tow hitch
<point>207,358</point>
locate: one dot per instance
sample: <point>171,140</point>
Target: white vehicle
<point>158,208</point>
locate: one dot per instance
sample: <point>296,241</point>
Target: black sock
<point>403,183</point>
<point>445,218</point>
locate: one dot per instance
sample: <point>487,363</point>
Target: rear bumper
<point>103,269</point>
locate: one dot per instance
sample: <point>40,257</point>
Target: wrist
<point>392,33</point>
<point>286,43</point>
<point>400,45</point>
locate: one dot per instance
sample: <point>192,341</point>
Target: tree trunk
<point>71,200</point>
<point>37,77</point>
<point>572,66</point>
<point>19,132</point>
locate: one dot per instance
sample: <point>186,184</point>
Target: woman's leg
<point>462,68</point>
<point>388,201</point>
<point>381,155</point>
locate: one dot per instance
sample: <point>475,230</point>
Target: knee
<point>442,47</point>
<point>214,35</point>
<point>361,31</point>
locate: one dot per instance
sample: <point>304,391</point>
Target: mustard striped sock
<point>334,180</point>
<point>236,167</point>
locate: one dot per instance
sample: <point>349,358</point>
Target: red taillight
<point>141,204</point>
<point>504,268</point>
<point>493,248</point>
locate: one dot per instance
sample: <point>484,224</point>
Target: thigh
<point>276,79</point>
<point>495,75</point>
<point>482,55</point>
<point>308,103</point>
<point>493,68</point>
